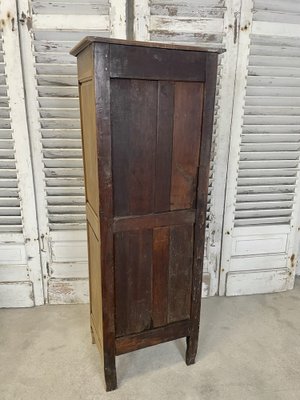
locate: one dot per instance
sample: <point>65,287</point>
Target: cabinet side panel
<point>95,284</point>
<point>89,139</point>
<point>85,64</point>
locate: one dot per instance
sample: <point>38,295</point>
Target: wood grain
<point>103,133</point>
<point>133,281</point>
<point>178,217</point>
<point>89,143</point>
<point>154,336</point>
<point>134,107</point>
<point>95,285</point>
<point>164,139</point>
<point>186,144</point>
<point>150,63</point>
<point>202,189</point>
<point>161,247</point>
<point>180,272</point>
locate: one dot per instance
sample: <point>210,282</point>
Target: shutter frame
<point>54,125</point>
<point>21,284</point>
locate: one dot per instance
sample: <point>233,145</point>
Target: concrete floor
<point>249,350</point>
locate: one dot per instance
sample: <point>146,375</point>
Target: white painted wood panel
<point>256,282</point>
<point>262,218</point>
<point>48,32</point>
<point>20,270</point>
<point>16,294</point>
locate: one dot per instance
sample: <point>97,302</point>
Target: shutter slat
<point>57,89</point>
<point>10,205</point>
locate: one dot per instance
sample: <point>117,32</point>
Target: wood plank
<point>133,281</point>
<point>186,143</point>
<point>95,284</point>
<point>202,189</point>
<point>163,334</point>
<point>16,294</point>
<point>161,242</point>
<point>104,162</point>
<point>164,139</point>
<point>68,291</point>
<point>156,64</point>
<point>102,40</point>
<point>178,217</point>
<point>250,282</point>
<point>89,143</point>
<point>180,272</point>
<point>85,65</point>
<point>134,106</point>
<point>93,220</point>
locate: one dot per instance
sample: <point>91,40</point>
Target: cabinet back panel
<point>153,277</point>
<point>133,275</point>
<point>156,131</point>
<point>159,64</point>
<point>133,109</point>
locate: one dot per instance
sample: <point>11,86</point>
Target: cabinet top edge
<point>96,39</point>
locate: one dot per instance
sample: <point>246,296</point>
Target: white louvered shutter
<point>262,216</point>
<point>20,272</point>
<point>48,32</point>
<point>206,23</point>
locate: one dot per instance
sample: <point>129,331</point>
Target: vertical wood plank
<point>89,143</point>
<point>133,281</point>
<point>180,272</point>
<point>164,139</point>
<point>134,107</point>
<point>186,143</point>
<point>95,283</point>
<point>120,111</point>
<point>161,240</point>
<point>103,130</point>
<point>199,231</point>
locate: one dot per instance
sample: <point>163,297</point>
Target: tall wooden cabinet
<point>146,116</point>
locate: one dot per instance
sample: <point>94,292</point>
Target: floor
<point>249,350</point>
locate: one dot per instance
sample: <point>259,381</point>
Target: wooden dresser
<point>146,116</point>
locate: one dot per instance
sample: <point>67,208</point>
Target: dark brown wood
<point>180,272</point>
<point>186,143</point>
<point>164,144</point>
<point>133,273</point>
<point>102,105</point>
<point>134,104</point>
<point>88,40</point>
<point>160,278</point>
<point>178,217</point>
<point>150,338</point>
<point>202,190</point>
<point>150,63</point>
<point>146,117</point>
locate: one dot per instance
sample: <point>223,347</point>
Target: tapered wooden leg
<point>110,375</point>
<point>191,349</point>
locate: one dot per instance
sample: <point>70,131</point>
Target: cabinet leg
<point>191,349</point>
<point>110,376</point>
